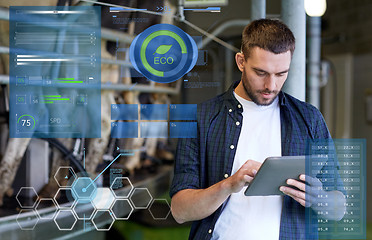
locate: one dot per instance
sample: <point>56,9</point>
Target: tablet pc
<point>274,173</point>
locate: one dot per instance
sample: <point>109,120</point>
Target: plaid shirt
<point>208,159</point>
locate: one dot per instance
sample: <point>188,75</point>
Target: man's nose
<point>269,83</point>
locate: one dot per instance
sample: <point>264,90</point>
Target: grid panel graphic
<point>339,165</point>
<point>153,121</point>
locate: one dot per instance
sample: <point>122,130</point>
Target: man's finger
<point>254,172</point>
<point>292,192</point>
<point>297,184</point>
<point>248,178</point>
<point>302,202</point>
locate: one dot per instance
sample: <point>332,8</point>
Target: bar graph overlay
<point>55,72</point>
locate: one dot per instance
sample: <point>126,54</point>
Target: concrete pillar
<point>313,60</point>
<point>293,15</point>
<point>258,9</point>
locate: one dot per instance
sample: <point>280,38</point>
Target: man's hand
<point>243,176</point>
<point>312,195</point>
<point>196,204</point>
<point>303,198</point>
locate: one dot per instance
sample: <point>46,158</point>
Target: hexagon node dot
<point>46,203</point>
<point>84,209</point>
<point>122,209</point>
<point>159,209</point>
<point>141,198</point>
<point>65,220</point>
<point>84,188</point>
<point>125,186</point>
<point>25,197</point>
<point>65,176</point>
<point>29,222</point>
<point>103,216</point>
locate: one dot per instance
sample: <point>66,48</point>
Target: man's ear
<point>239,59</point>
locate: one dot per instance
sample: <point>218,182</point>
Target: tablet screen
<point>274,173</point>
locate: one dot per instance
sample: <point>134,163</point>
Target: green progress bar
<point>70,82</point>
<point>47,102</point>
<point>57,99</point>
<point>51,96</point>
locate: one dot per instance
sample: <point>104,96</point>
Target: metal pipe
<point>4,13</point>
<point>223,27</point>
<point>258,9</point>
<point>115,36</point>
<point>117,62</point>
<point>139,88</point>
<point>4,49</point>
<point>313,62</point>
<point>181,12</point>
<point>4,79</point>
<point>293,14</point>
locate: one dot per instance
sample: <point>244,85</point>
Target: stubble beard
<point>255,96</point>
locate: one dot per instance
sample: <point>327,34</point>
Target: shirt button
<point>231,146</point>
<point>210,231</point>
<point>239,106</point>
<point>230,110</point>
<point>237,123</point>
<point>226,175</point>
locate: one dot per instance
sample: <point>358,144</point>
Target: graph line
<point>120,154</point>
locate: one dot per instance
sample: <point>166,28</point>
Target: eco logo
<point>163,53</point>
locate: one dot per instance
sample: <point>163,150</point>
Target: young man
<point>237,131</point>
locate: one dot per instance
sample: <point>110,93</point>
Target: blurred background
<point>331,69</point>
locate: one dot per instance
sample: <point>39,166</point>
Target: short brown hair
<point>268,34</point>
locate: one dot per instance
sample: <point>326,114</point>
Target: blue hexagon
<point>84,188</point>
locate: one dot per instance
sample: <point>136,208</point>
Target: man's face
<point>263,75</point>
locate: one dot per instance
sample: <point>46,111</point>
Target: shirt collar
<point>230,101</point>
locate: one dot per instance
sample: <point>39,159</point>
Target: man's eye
<point>261,74</point>
<point>280,74</point>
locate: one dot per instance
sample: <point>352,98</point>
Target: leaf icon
<point>163,49</point>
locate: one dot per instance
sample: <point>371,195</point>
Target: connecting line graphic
<point>120,154</point>
<point>84,158</point>
<point>130,89</point>
<point>176,17</point>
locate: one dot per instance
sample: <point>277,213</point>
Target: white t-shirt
<point>254,217</point>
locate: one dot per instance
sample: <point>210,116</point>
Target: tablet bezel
<point>274,173</point>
